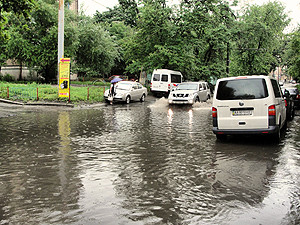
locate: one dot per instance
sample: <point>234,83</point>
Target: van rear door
<point>175,80</point>
<point>241,103</point>
<point>164,83</point>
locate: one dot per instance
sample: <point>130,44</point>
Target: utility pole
<point>61,20</point>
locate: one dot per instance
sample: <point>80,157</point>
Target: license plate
<point>242,112</point>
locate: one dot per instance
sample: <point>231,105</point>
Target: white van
<point>163,80</point>
<point>248,105</point>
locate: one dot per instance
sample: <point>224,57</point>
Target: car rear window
<point>175,78</point>
<point>254,88</point>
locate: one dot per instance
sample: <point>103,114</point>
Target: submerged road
<point>142,163</point>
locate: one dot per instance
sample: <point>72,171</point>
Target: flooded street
<point>142,163</point>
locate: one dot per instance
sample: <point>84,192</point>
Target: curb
<point>36,103</point>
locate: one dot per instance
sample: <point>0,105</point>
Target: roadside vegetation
<point>32,92</point>
<point>204,40</point>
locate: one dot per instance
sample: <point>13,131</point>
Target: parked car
<point>163,80</point>
<point>127,91</point>
<point>289,103</point>
<point>294,92</point>
<point>248,105</point>
<point>189,93</point>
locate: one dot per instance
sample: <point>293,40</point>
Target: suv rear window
<point>254,88</point>
<point>175,78</point>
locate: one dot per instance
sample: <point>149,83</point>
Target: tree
<point>34,41</point>
<point>258,39</point>
<point>96,51</point>
<point>19,8</point>
<point>126,12</point>
<point>207,27</point>
<point>293,55</point>
<point>154,43</point>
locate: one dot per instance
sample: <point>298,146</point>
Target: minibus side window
<point>164,78</point>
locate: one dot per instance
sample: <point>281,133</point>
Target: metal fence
<point>89,93</point>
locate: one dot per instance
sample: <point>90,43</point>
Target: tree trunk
<point>21,71</point>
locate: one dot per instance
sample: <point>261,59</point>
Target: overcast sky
<point>91,6</point>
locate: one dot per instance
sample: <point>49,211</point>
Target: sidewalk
<point>37,103</point>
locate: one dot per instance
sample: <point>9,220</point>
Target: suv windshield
<point>183,86</point>
<point>254,88</point>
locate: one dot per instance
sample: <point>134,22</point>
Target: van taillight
<point>151,85</point>
<point>214,112</point>
<point>272,110</point>
<point>285,102</point>
<point>298,97</point>
<point>169,86</point>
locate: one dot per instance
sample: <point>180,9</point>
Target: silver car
<point>189,93</point>
<point>127,91</point>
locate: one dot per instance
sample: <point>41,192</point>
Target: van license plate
<point>242,113</point>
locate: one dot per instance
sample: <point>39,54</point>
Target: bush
<point>7,77</point>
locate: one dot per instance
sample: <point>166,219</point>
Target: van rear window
<point>164,77</point>
<point>156,77</point>
<point>175,78</point>
<point>254,88</point>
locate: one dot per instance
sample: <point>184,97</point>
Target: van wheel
<point>142,98</point>
<point>276,136</point>
<point>197,99</point>
<point>221,137</point>
<point>127,101</point>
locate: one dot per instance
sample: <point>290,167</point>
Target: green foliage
<point>95,51</point>
<point>258,38</point>
<point>25,93</point>
<point>126,12</point>
<point>293,55</point>
<point>34,42</point>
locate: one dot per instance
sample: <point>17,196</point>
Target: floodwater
<point>143,163</point>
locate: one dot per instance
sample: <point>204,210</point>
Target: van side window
<point>164,78</point>
<point>276,88</point>
<point>204,86</point>
<point>175,78</point>
<point>156,77</point>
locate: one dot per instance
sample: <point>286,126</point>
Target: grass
<point>83,92</point>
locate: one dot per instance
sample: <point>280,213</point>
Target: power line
<point>100,4</point>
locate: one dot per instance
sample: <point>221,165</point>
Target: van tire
<point>197,99</point>
<point>276,136</point>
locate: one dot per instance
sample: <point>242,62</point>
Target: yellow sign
<point>64,78</point>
